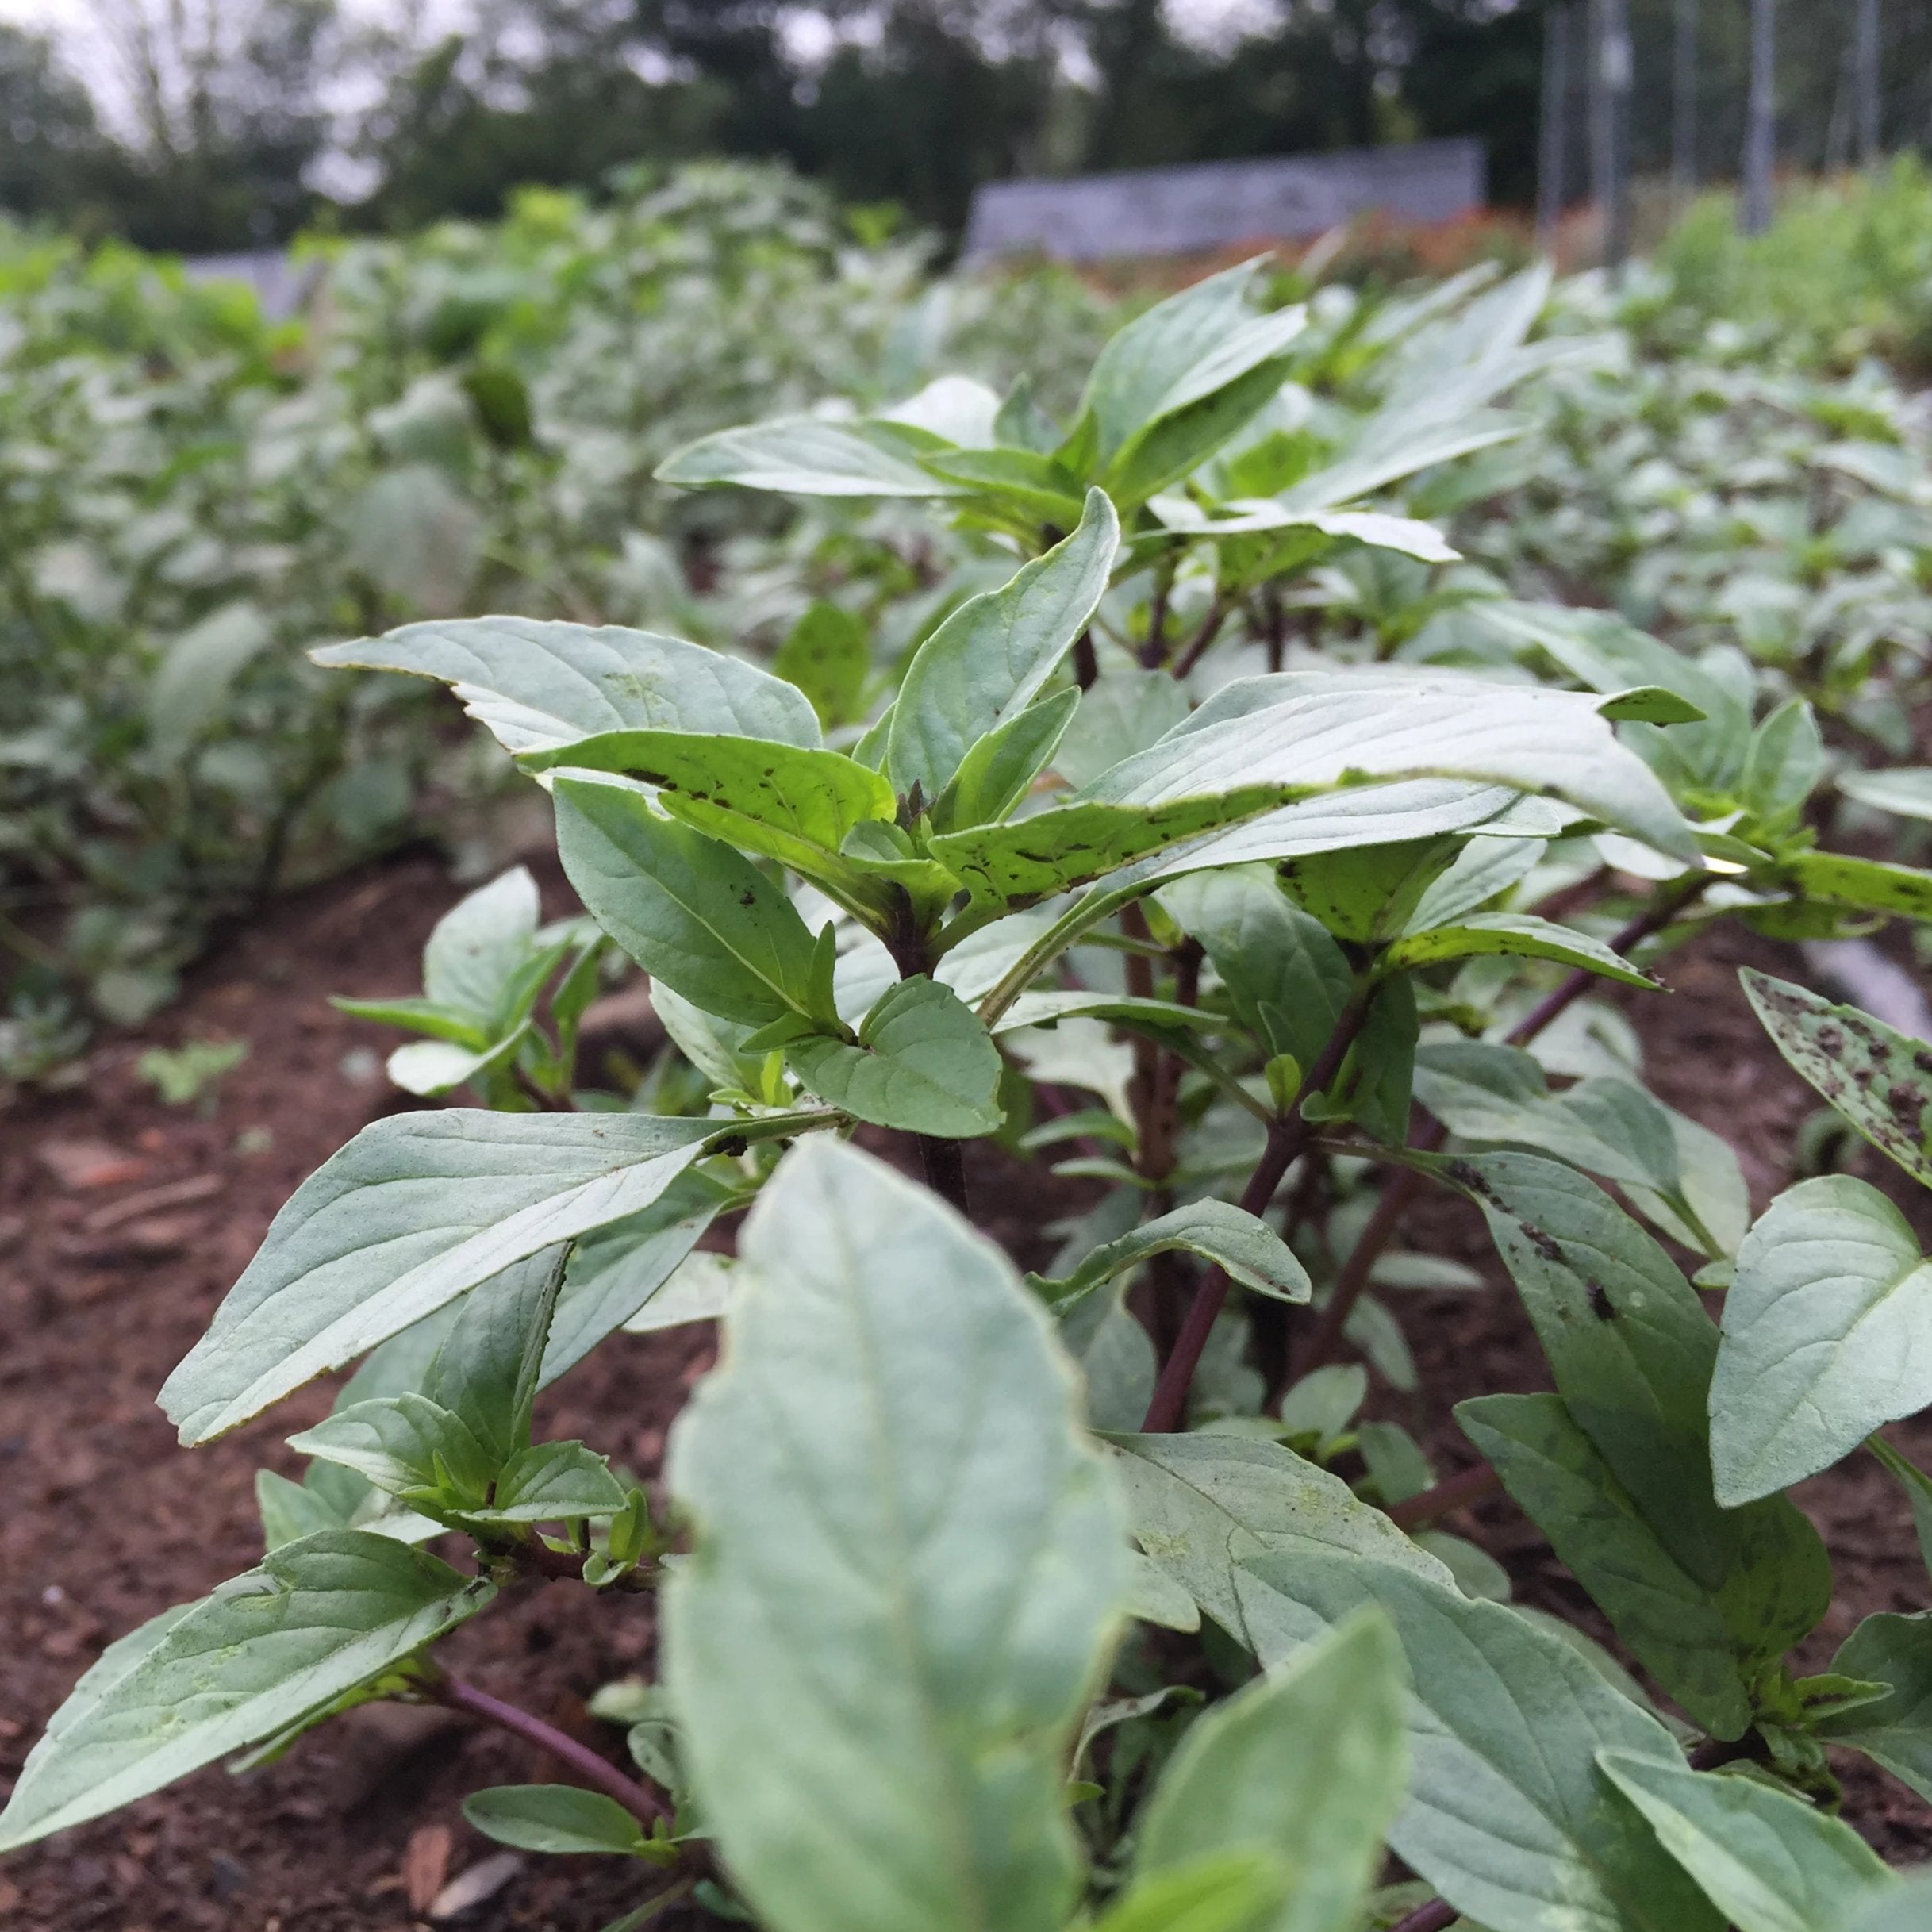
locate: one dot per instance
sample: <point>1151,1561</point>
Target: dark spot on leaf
<point>1600,1301</point>
<point>733,1145</point>
<point>747,898</point>
<point>1544,1244</point>
<point>1831,1039</point>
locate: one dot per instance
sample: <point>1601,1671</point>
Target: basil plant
<point>1082,1598</point>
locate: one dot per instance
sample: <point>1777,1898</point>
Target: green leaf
<point>1174,384</point>
<point>907,1561</point>
<point>992,657</point>
<point>536,684</point>
<point>1049,851</point>
<point>806,456</point>
<point>1518,935</point>
<point>1303,732</point>
<point>1769,1861</point>
<point>1307,1763</point>
<point>408,1445</point>
<point>1242,1244</point>
<point>485,1369</point>
<point>1286,978</point>
<point>431,1068</point>
<point>1907,1908</point>
<point>1917,1487</point>
<point>1783,767</point>
<point>1366,895</point>
<point>615,1272</point>
<point>1896,1730</point>
<point>828,656</point>
<point>1632,1349</point>
<point>1508,1816</point>
<point>1035,489</point>
<point>1198,1503</point>
<point>1242,1892</point>
<point>1880,1081</point>
<point>553,1817</point>
<point>688,909</point>
<point>1905,792</point>
<point>791,803</point>
<point>478,949</point>
<point>1826,1330</point>
<point>1484,869</point>
<point>554,1482</point>
<point>415,1210</point>
<point>995,774</point>
<point>924,1062</point>
<point>1868,883</point>
<point>1675,1625</point>
<point>189,691</point>
<point>317,1618</point>
<point>1483,1091</point>
<point>416,1015</point>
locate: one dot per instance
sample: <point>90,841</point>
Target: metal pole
<point>1761,126</point>
<point>1554,141</point>
<point>1611,128</point>
<point>1683,105</point>
<point>1866,86</point>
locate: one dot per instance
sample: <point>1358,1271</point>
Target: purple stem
<point>599,1773</point>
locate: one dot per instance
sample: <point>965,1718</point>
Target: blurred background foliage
<point>237,122</point>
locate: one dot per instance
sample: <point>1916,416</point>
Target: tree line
<point>234,123</point>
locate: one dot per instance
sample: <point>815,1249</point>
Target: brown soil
<point>113,1256</point>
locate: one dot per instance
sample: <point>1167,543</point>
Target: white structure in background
<point>1218,204</point>
<point>282,284</point>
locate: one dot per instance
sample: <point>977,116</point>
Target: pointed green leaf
<point>614,1273</point>
<point>1308,1764</point>
<point>1303,732</point>
<point>806,456</point>
<point>485,1369</point>
<point>1242,1244</point>
<point>556,1819</point>
<point>554,1482</point>
<point>534,683</point>
<point>407,1445</point>
<point>1880,1081</point>
<point>1181,352</point>
<point>1674,1625</point>
<point>908,1560</point>
<point>992,657</point>
<point>1287,978</point>
<point>1868,883</point>
<point>1519,935</point>
<point>924,1062</point>
<point>1197,1504</point>
<point>1905,792</point>
<point>688,909</point>
<point>478,947</point>
<point>317,1618</point>
<point>1767,1860</point>
<point>1508,1816</point>
<point>791,803</point>
<point>1896,1730</point>
<point>996,773</point>
<point>1632,1349</point>
<point>1827,1331</point>
<point>1065,846</point>
<point>415,1210</point>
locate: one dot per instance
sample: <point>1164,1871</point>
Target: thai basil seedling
<point>928,1511</point>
